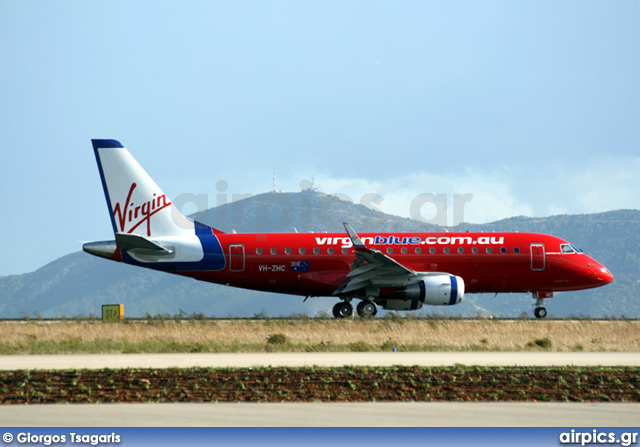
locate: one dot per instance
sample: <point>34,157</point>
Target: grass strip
<point>316,335</point>
<point>345,384</point>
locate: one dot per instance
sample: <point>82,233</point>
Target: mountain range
<point>78,284</point>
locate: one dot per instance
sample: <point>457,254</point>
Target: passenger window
<point>474,250</point>
<point>516,250</point>
<point>460,250</point>
<point>446,250</point>
<point>418,250</point>
<point>302,251</point>
<point>274,251</point>
<point>404,250</point>
<point>316,251</point>
<point>330,251</point>
<point>489,250</point>
<point>287,251</point>
<point>432,250</point>
<point>503,250</point>
<point>389,250</point>
<point>258,251</point>
<point>345,251</point>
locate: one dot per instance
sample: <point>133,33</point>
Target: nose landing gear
<point>540,311</point>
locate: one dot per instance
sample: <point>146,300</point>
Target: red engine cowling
<point>436,290</point>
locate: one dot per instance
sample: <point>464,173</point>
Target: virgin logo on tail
<point>135,215</point>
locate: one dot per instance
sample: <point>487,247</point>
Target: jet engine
<point>436,290</point>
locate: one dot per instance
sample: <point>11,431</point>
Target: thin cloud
<point>592,186</point>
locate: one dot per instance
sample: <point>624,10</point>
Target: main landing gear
<point>343,309</point>
<point>366,309</point>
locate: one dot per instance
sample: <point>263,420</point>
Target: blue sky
<point>531,106</point>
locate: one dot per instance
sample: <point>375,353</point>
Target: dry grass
<point>36,337</point>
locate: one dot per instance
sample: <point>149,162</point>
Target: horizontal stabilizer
<point>133,241</point>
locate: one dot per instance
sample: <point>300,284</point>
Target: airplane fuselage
<point>315,264</point>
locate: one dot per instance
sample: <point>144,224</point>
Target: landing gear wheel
<point>540,312</point>
<point>367,309</point>
<point>342,310</point>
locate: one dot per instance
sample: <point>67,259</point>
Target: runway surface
<point>333,359</point>
<point>419,414</point>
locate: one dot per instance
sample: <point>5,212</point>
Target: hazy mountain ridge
<point>306,211</point>
<point>78,283</point>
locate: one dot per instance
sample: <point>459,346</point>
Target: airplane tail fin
<point>136,203</point>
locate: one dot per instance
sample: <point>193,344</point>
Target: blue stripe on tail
<point>213,255</point>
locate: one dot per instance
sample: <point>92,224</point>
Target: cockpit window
<point>566,248</point>
<point>578,250</point>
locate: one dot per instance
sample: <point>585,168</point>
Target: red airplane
<point>398,271</point>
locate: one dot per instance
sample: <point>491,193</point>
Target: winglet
<point>354,236</point>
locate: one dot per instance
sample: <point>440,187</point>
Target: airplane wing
<point>373,269</point>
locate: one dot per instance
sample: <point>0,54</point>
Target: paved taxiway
<point>332,359</point>
<point>417,414</point>
<point>395,414</point>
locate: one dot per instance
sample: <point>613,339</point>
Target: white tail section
<point>136,203</point>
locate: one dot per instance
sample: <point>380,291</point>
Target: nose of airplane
<point>601,274</point>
